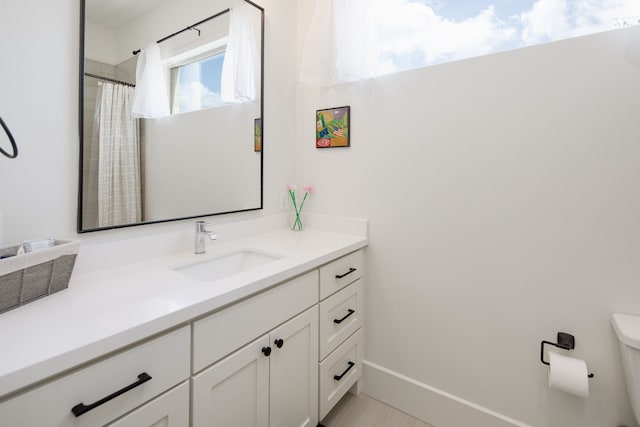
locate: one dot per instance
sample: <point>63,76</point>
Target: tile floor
<point>365,411</point>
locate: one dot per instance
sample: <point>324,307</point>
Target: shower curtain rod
<point>95,76</point>
<point>190,27</point>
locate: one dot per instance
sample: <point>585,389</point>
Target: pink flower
<point>292,187</point>
<point>308,188</point>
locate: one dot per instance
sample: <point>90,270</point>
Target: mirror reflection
<point>171,111</point>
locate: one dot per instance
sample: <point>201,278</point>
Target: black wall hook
<point>11,140</point>
<point>565,342</point>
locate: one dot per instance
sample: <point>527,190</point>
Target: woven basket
<point>25,278</point>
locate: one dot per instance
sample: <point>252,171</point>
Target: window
<point>350,40</point>
<point>416,33</point>
<point>195,85</point>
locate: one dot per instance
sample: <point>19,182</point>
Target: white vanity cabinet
<point>100,393</point>
<point>169,410</point>
<point>272,381</point>
<point>281,356</point>
<point>341,336</point>
<point>225,331</point>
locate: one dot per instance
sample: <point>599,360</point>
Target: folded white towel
<point>37,244</point>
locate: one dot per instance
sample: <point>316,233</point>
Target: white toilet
<point>627,328</point>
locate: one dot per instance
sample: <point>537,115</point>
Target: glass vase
<point>296,223</point>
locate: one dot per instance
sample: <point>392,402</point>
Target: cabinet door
<point>293,372</point>
<point>169,410</point>
<point>235,391</point>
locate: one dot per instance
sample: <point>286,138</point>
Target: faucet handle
<point>201,226</point>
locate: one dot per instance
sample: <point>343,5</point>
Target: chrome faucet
<point>201,231</point>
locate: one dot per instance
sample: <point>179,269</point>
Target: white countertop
<point>105,310</point>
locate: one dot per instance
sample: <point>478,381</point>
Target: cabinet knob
<point>279,342</point>
<point>266,351</point>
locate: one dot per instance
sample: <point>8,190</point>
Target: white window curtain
<point>151,98</point>
<point>119,194</point>
<point>341,45</point>
<point>241,66</point>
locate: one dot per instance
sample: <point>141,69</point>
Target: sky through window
<point>416,33</point>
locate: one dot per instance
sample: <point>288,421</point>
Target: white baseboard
<point>434,406</point>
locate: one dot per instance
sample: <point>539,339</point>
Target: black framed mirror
<point>202,155</point>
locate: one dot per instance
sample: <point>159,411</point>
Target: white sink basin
<point>226,265</point>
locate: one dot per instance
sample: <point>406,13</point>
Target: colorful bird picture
<point>257,134</point>
<point>332,127</point>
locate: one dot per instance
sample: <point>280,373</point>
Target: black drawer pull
<point>340,276</point>
<point>81,408</point>
<point>338,321</point>
<point>339,377</point>
<point>279,342</point>
<point>266,351</point>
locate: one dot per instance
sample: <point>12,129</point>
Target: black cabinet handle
<point>279,342</point>
<point>340,276</point>
<point>81,408</point>
<point>338,321</point>
<point>339,377</point>
<point>266,351</point>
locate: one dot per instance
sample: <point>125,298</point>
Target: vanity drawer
<point>339,371</point>
<point>164,359</point>
<point>340,316</point>
<point>223,332</point>
<point>169,410</point>
<point>339,273</point>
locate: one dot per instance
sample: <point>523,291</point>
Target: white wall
<point>100,43</point>
<point>503,205</point>
<point>39,100</point>
<point>170,15</point>
<point>197,160</point>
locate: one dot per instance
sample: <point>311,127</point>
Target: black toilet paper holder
<point>565,342</point>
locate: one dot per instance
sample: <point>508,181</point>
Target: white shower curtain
<point>119,195</point>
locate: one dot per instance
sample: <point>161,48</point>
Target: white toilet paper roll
<point>568,374</point>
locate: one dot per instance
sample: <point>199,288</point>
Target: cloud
<point>547,20</point>
<point>414,30</point>
<point>195,96</point>
<point>412,34</point>
<point>550,20</point>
